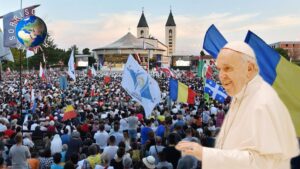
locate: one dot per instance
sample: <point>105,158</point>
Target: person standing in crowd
<point>2,165</point>
<point>75,145</point>
<point>172,155</point>
<point>117,133</point>
<point>101,137</point>
<point>258,131</point>
<point>132,126</point>
<point>111,149</point>
<point>145,130</point>
<point>19,153</point>
<point>56,144</point>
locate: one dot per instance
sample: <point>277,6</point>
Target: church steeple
<point>170,34</point>
<point>142,27</point>
<point>170,21</point>
<point>142,22</point>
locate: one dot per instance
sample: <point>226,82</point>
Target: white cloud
<point>107,28</point>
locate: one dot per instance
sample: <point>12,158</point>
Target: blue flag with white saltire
<point>215,91</point>
<point>213,41</point>
<point>140,85</point>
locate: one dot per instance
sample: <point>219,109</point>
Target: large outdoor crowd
<point>110,130</point>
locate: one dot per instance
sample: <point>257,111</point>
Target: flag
<point>209,72</point>
<point>69,113</point>
<point>10,22</point>
<point>204,68</point>
<point>189,74</point>
<point>94,73</point>
<point>137,58</point>
<point>63,83</point>
<point>213,41</point>
<point>200,67</point>
<point>29,53</point>
<point>167,71</point>
<point>206,97</point>
<point>5,53</point>
<point>181,92</point>
<point>42,73</point>
<point>215,91</point>
<point>93,91</point>
<point>157,68</point>
<point>71,67</point>
<point>106,79</point>
<point>140,85</point>
<point>32,96</point>
<point>44,58</point>
<point>89,73</point>
<point>8,71</point>
<point>282,75</point>
<point>100,65</point>
<point>34,106</point>
<point>100,62</point>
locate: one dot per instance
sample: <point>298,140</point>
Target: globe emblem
<point>31,31</point>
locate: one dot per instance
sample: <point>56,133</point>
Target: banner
<point>138,84</point>
<point>10,22</point>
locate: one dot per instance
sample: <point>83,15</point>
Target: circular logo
<point>31,31</point>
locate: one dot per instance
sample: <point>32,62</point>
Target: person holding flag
<point>257,132</point>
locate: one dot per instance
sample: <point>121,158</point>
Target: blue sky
<point>96,23</point>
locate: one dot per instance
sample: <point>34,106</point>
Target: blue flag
<point>213,41</point>
<point>63,83</point>
<point>140,85</point>
<point>281,74</point>
<point>173,88</point>
<point>34,107</point>
<point>215,91</point>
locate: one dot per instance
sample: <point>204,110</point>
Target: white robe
<point>56,144</point>
<point>257,132</point>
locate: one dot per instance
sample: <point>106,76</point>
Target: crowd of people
<point>110,130</point>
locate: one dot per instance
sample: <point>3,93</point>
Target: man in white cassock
<point>257,132</point>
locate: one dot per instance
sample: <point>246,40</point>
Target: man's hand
<point>190,148</point>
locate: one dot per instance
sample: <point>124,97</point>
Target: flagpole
<point>148,59</point>
<point>20,55</point>
<point>0,70</point>
<point>27,65</point>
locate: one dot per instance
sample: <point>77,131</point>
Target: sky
<point>97,23</point>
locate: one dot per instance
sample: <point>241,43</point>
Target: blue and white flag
<point>71,67</point>
<point>215,91</point>
<point>140,85</point>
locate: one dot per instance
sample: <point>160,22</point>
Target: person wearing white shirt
<point>27,141</point>
<point>116,132</point>
<point>111,149</point>
<point>101,137</point>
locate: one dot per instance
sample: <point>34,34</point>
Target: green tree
<point>86,51</point>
